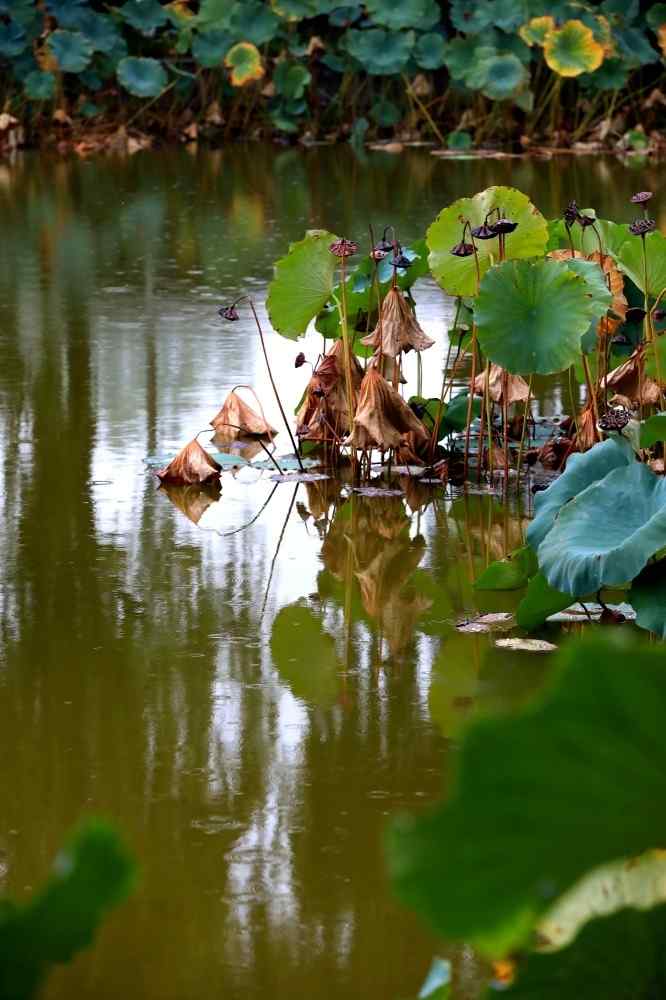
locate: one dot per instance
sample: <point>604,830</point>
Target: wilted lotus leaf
<point>457,275</point>
<point>191,465</point>
<point>193,501</point>
<point>387,366</point>
<point>535,31</point>
<point>244,61</point>
<point>382,416</point>
<point>397,329</point>
<point>572,49</point>
<point>237,418</point>
<point>324,414</point>
<point>629,380</point>
<point>587,429</point>
<point>517,389</point>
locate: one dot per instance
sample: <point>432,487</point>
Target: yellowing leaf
<point>244,61</point>
<point>535,31</point>
<point>572,49</point>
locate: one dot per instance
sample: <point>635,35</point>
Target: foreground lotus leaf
<point>302,284</point>
<point>605,535</point>
<point>531,316</point>
<point>397,328</point>
<point>382,416</point>
<point>237,417</point>
<point>648,599</point>
<point>572,49</point>
<point>191,465</point>
<point>457,275</point>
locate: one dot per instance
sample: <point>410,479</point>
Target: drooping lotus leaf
<point>531,315</point>
<point>504,75</point>
<point>302,284</point>
<point>457,275</point>
<point>420,14</point>
<point>145,16</point>
<point>572,49</point>
<point>244,61</point>
<point>535,31</point>
<point>630,260</point>
<point>304,655</point>
<point>429,50</point>
<point>539,603</point>
<point>606,534</point>
<point>72,50</point>
<point>382,53</point>
<point>581,472</point>
<point>510,573</point>
<point>648,599</point>
<point>653,430</point>
<point>522,826</point>
<point>40,85</point>
<point>143,77</point>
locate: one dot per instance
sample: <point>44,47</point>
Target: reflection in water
<point>141,675</point>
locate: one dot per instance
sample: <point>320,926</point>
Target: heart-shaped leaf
<point>302,284</point>
<point>244,61</point>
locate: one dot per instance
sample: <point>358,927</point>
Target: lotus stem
<point>526,417</point>
<point>470,401</point>
<point>591,395</point>
<point>647,324</point>
<point>349,385</point>
<point>505,423</point>
<point>433,436</point>
<point>489,420</point>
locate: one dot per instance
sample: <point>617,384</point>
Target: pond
<point>249,685</point>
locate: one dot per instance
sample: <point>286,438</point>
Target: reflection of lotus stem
<point>277,395</point>
<point>277,550</point>
<point>525,422</point>
<point>648,327</point>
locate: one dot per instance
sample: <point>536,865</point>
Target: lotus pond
<point>252,676</point>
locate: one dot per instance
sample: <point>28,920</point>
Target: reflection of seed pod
<point>504,226</point>
<point>484,232</point>
<point>571,213</point>
<point>229,313</point>
<point>641,197</point>
<point>300,360</point>
<point>635,315</point>
<point>401,261</point>
<point>641,227</point>
<point>462,250</point>
<point>344,248</point>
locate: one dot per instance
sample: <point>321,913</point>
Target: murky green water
<point>248,706</point>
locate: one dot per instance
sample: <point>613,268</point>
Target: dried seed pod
<point>585,220</point>
<point>571,214</point>
<point>614,419</point>
<point>462,249</point>
<point>504,226</point>
<point>191,465</point>
<point>401,261</point>
<point>299,360</point>
<point>641,197</point>
<point>641,227</point>
<point>229,313</point>
<point>344,248</point>
<point>484,232</point>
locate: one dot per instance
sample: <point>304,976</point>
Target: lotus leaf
<point>634,47</point>
<point>302,284</point>
<point>421,14</point>
<point>143,77</point>
<point>72,50</point>
<point>252,21</point>
<point>291,79</point>
<point>630,260</point>
<point>611,75</point>
<point>539,603</point>
<point>380,52</point>
<point>471,16</point>
<point>457,275</point>
<point>648,599</point>
<point>209,47</point>
<point>13,40</point>
<point>40,85</point>
<point>459,140</point>
<point>483,866</point>
<point>597,289</point>
<point>145,16</point>
<point>653,430</point>
<point>572,49</point>
<point>613,236</point>
<point>385,113</point>
<point>429,51</point>
<point>504,75</point>
<point>531,316</point>
<point>536,30</point>
<point>244,61</point>
<point>656,16</point>
<point>510,573</point>
<point>465,59</point>
<point>508,14</point>
<point>305,656</point>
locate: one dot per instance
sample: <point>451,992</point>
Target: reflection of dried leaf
<point>517,389</point>
<point>191,465</point>
<point>237,418</point>
<point>397,329</point>
<point>194,501</point>
<point>382,416</point>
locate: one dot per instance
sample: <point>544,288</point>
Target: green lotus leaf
<point>648,599</point>
<point>382,53</point>
<point>72,50</point>
<point>99,29</point>
<point>656,16</point>
<point>613,236</point>
<point>504,75</point>
<point>466,59</point>
<point>653,430</point>
<point>302,284</point>
<point>252,21</point>
<point>611,75</point>
<point>295,10</point>
<point>210,47</point>
<point>142,77</point>
<point>539,603</point>
<point>572,49</point>
<point>244,61</point>
<point>305,656</point>
<point>510,573</point>
<point>421,14</point>
<point>634,47</point>
<point>459,140</point>
<point>535,31</point>
<point>514,45</point>
<point>457,275</point>
<point>385,113</point>
<point>214,14</point>
<point>595,281</point>
<point>516,834</point>
<point>40,85</point>
<point>530,316</point>
<point>581,471</point>
<point>455,417</point>
<point>606,534</point>
<point>429,51</point>
<point>13,40</point>
<point>508,15</point>
<point>145,16</point>
<point>471,17</point>
<point>630,260</point>
<point>291,79</point>
<point>613,958</point>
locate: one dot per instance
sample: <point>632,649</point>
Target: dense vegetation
<point>461,73</point>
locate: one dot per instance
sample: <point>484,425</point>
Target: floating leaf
<point>143,77</point>
<point>572,49</point>
<point>302,284</point>
<point>526,645</point>
<point>531,316</point>
<point>244,61</point>
<point>305,656</point>
<point>510,573</point>
<point>535,31</point>
<point>72,50</point>
<point>145,16</point>
<point>483,866</point>
<point>504,75</point>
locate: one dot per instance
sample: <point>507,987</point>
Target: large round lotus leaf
<point>535,31</point>
<point>302,284</point>
<point>145,16</point>
<point>72,50</point>
<point>209,47</point>
<point>504,74</point>
<point>430,50</point>
<point>634,47</point>
<point>530,316</point>
<point>252,21</point>
<point>244,61</point>
<point>573,49</point>
<point>471,16</point>
<point>507,14</point>
<point>13,40</point>
<point>382,53</point>
<point>648,599</point>
<point>457,275</point>
<point>305,656</point>
<point>630,260</point>
<point>40,86</point>
<point>606,534</point>
<point>597,289</point>
<point>581,472</point>
<point>142,77</point>
<point>466,58</point>
<point>421,14</point>
<point>99,29</point>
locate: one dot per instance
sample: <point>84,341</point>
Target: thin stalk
<point>489,420</point>
<point>422,108</point>
<point>648,327</point>
<point>526,416</point>
<point>590,391</point>
<point>505,422</point>
<point>433,436</point>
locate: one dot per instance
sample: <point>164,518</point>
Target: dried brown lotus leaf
<point>397,329</point>
<point>191,465</point>
<point>628,380</point>
<point>517,389</point>
<point>324,414</point>
<point>382,416</point>
<point>587,429</point>
<point>386,365</point>
<point>238,418</point>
